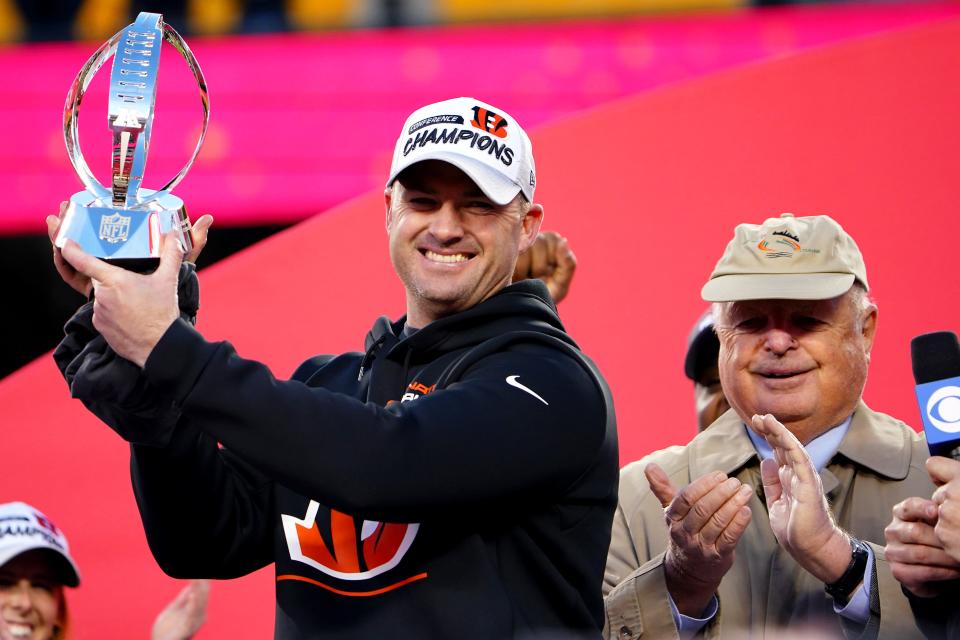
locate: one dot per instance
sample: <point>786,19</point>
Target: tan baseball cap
<point>787,258</point>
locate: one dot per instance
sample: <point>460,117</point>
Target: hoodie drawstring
<point>368,356</point>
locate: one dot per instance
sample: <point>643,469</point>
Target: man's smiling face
<point>450,244</point>
<point>804,361</point>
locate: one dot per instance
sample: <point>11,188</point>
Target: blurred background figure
<point>700,366</point>
<point>35,569</point>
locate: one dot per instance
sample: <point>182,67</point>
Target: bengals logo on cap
<point>46,523</point>
<point>347,548</point>
<point>489,121</point>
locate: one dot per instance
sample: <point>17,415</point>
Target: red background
<point>648,190</point>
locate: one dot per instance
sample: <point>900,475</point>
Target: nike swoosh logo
<point>512,381</point>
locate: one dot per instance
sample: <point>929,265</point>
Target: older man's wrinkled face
<point>804,361</point>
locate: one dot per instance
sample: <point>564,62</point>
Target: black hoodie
<point>476,459</point>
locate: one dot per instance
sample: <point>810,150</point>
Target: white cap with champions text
<point>482,141</point>
<point>23,528</point>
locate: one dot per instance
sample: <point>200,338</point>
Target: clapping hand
<point>183,617</point>
<point>798,511</point>
<point>705,519</point>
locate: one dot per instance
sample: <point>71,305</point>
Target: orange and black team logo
<point>416,390</point>
<point>489,121</point>
<point>46,523</point>
<point>347,548</point>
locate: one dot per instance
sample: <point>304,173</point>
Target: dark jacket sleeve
<point>206,514</point>
<point>938,618</point>
<point>481,440</point>
<point>111,387</point>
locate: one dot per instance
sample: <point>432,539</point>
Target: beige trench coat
<point>879,463</point>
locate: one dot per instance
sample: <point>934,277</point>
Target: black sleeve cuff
<point>177,360</point>
<point>937,617</point>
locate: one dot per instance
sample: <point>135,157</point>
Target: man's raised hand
<point>799,515</point>
<point>550,259</point>
<point>705,520</point>
<point>131,311</point>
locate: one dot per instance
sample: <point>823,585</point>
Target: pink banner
<point>303,122</point>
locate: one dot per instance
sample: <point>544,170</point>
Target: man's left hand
<point>917,559</point>
<point>945,473</point>
<point>132,311</point>
<point>799,515</point>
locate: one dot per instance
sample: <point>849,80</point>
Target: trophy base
<point>127,238</point>
<point>138,265</point>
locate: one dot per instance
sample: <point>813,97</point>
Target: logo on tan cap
<point>805,258</point>
<point>780,244</point>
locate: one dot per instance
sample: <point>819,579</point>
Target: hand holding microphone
<point>936,369</point>
<point>916,555</point>
<point>945,473</point>
<point>923,539</point>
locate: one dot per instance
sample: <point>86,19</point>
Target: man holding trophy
<point>456,479</point>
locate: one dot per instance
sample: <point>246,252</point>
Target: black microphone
<point>936,370</point>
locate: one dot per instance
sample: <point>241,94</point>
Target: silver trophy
<point>123,224</point>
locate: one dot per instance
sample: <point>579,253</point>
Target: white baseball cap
<point>484,142</point>
<point>23,528</point>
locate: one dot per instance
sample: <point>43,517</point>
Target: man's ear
<point>530,226</point>
<point>868,327</point>
<point>388,202</point>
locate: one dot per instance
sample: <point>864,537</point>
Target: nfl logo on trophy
<point>114,228</point>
